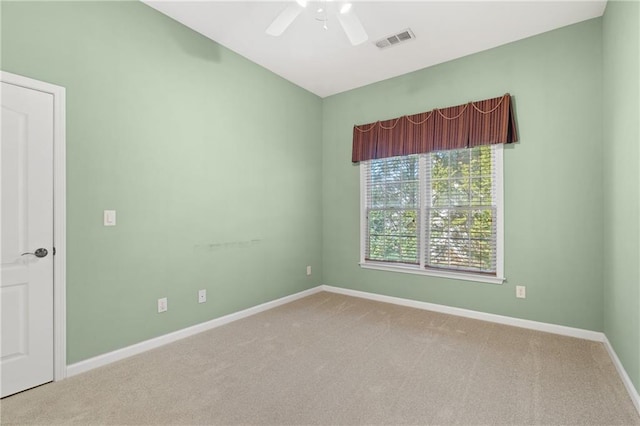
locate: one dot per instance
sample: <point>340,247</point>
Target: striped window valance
<point>476,123</point>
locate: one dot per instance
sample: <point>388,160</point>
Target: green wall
<point>621,148</point>
<point>211,162</point>
<point>229,178</point>
<point>553,176</point>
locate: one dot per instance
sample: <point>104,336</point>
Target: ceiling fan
<point>348,20</point>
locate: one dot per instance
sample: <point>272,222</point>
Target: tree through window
<point>436,211</point>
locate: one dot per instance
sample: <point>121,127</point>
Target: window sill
<point>406,269</point>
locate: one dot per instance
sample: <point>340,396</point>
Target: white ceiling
<point>324,61</point>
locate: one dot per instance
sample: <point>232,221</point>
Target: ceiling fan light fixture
<point>348,20</point>
<point>345,8</point>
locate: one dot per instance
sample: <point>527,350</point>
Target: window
<point>435,214</point>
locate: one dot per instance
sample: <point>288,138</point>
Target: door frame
<point>59,215</point>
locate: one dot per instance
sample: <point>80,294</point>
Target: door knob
<point>41,252</point>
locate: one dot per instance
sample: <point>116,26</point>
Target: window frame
<point>498,278</point>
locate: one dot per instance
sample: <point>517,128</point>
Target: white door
<point>26,285</point>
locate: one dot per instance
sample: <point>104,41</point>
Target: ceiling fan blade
<point>353,28</point>
<point>284,19</point>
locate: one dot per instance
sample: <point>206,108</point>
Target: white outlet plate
<point>308,270</point>
<point>521,292</point>
<point>202,296</point>
<point>109,218</point>
<point>162,305</point>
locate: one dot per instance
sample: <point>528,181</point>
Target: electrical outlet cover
<point>162,305</point>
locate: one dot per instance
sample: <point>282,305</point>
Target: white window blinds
<point>392,213</point>
<point>461,210</point>
<point>439,211</point>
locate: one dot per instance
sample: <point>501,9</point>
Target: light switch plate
<point>109,218</point>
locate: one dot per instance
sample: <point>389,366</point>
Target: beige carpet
<point>332,359</point>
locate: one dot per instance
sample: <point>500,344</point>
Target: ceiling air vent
<point>395,39</point>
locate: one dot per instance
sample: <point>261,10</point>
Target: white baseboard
<point>500,319</point>
<point>123,353</point>
<point>633,393</point>
<point>516,322</point>
<point>117,355</point>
